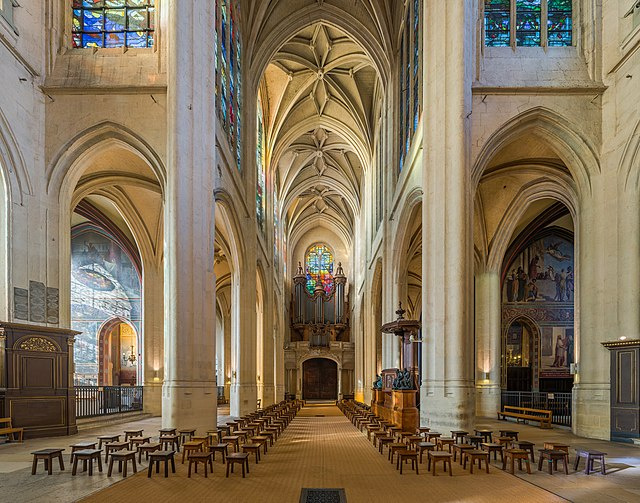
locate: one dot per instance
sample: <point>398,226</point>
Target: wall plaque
<point>37,306</point>
<point>20,303</point>
<point>53,296</point>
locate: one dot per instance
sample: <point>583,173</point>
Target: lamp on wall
<point>130,358</point>
<point>485,375</point>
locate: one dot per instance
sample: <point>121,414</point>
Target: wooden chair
<point>123,458</point>
<point>158,457</point>
<point>474,455</point>
<point>552,456</point>
<point>147,449</point>
<point>189,447</point>
<point>200,457</point>
<point>590,455</point>
<point>519,454</point>
<point>10,431</point>
<point>407,455</point>
<point>251,447</point>
<point>47,455</point>
<point>87,456</point>
<point>436,457</point>
<point>222,448</point>
<point>241,458</point>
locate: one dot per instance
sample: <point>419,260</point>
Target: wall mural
<point>539,286</point>
<point>104,284</point>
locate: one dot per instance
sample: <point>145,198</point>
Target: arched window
<point>528,23</point>
<point>228,57</point>
<point>260,162</point>
<point>410,78</point>
<point>276,225</point>
<point>115,23</point>
<point>319,262</point>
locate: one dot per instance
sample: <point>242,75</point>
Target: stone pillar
<point>189,390</point>
<point>447,391</point>
<point>153,339</point>
<point>488,342</point>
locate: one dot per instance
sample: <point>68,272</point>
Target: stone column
<point>189,390</point>
<point>488,342</point>
<point>447,391</point>
<point>153,338</point>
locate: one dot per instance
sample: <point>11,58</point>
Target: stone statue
<point>377,384</point>
<point>403,380</point>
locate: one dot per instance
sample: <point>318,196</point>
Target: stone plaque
<point>53,296</point>
<point>37,307</point>
<point>20,303</point>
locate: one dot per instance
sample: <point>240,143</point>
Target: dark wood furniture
<point>475,440</point>
<point>138,441</point>
<point>47,455</point>
<point>590,455</point>
<point>509,433</point>
<point>128,434</point>
<point>87,456</point>
<point>436,457</point>
<point>122,457</point>
<point>10,431</point>
<point>36,379</point>
<point>487,435</point>
<point>170,442</point>
<point>222,448</point>
<point>461,448</point>
<point>191,447</point>
<point>186,434</point>
<point>527,446</point>
<point>102,439</point>
<point>382,441</point>
<point>441,442</point>
<point>513,455</point>
<point>475,455</point>
<point>395,447</point>
<point>625,389</point>
<point>524,414</point>
<point>241,458</point>
<point>552,457</point>
<point>495,448</point>
<point>458,435</point>
<point>407,455</point>
<point>147,449</point>
<point>166,431</point>
<point>158,457</point>
<point>251,447</point>
<point>198,457</point>
<point>263,441</point>
<point>81,446</point>
<point>112,447</point>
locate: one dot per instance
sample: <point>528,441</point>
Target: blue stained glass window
<point>559,23</point>
<point>260,162</point>
<point>497,17</point>
<point>319,264</point>
<point>113,23</point>
<point>528,23</point>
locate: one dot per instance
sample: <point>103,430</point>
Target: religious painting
<point>104,284</point>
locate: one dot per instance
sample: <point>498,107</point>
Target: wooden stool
<point>495,448</point>
<point>270,435</point>
<point>190,446</point>
<point>425,446</point>
<point>147,448</point>
<point>166,431</point>
<point>103,439</point>
<point>472,456</point>
<point>47,455</point>
<point>87,456</point>
<point>186,434</point>
<point>82,446</point>
<point>223,448</point>
<point>432,435</point>
<point>405,455</point>
<point>377,435</point>
<point>487,435</point>
<point>520,455</point>
<point>234,440</point>
<point>157,457</point>
<point>241,458</point>
<point>204,440</point>
<point>557,446</point>
<point>261,440</point>
<point>422,430</point>
<point>138,441</point>
<point>458,435</point>
<point>509,433</point>
<point>404,435</point>
<point>243,434</point>
<point>590,455</point>
<point>505,441</point>
<point>382,441</point>
<point>123,458</point>
<point>395,447</point>
<point>132,433</point>
<point>527,446</point>
<point>113,447</point>
<point>474,440</point>
<point>442,441</point>
<point>552,456</point>
<point>439,456</point>
<point>170,442</point>
<point>255,448</point>
<point>461,448</point>
<point>200,457</point>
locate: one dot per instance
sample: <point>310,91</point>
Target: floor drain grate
<point>323,496</point>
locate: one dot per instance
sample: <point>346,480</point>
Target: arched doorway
<point>521,356</point>
<point>320,379</point>
<point>118,354</point>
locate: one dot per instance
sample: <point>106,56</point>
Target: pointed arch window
<point>113,23</point>
<point>319,266</point>
<point>276,225</point>
<point>260,164</point>
<point>528,23</point>
<point>228,58</point>
<point>410,78</point>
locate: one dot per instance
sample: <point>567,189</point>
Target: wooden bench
<point>8,430</point>
<point>527,414</point>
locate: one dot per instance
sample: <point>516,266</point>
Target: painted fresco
<point>539,286</point>
<point>104,284</point>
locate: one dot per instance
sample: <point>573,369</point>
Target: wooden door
<point>320,379</point>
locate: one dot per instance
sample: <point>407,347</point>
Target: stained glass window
<point>559,23</point>
<point>497,20</point>
<point>319,262</point>
<point>528,23</point>
<point>410,78</point>
<point>260,162</point>
<point>228,74</point>
<point>276,225</point>
<point>113,23</point>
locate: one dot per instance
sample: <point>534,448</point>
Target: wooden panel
<point>37,372</point>
<point>320,379</point>
<point>34,412</point>
<point>626,369</point>
<point>625,399</point>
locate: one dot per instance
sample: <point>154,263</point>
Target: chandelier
<point>129,359</point>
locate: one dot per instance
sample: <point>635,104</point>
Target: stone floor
<point>325,451</point>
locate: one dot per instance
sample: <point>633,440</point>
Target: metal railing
<point>92,401</point>
<point>558,403</point>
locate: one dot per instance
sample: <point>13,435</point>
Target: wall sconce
<point>155,375</point>
<point>233,375</point>
<point>486,375</point>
